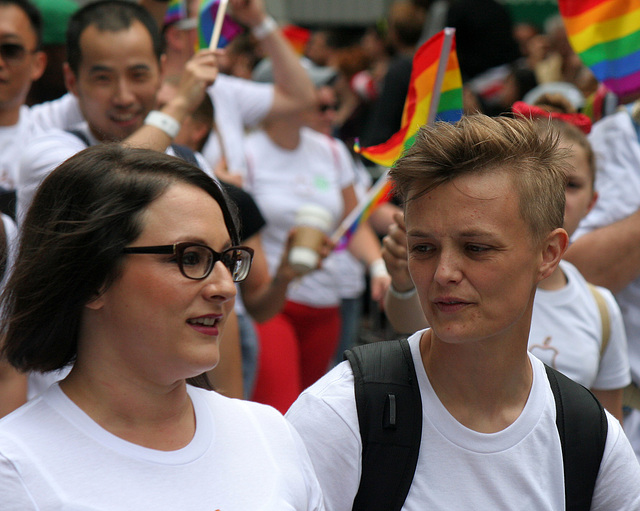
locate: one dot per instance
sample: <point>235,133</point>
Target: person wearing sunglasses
<point>126,267</point>
<point>21,63</point>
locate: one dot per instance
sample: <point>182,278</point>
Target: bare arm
<point>365,246</point>
<point>611,400</point>
<point>609,256</point>
<point>294,91</point>
<point>262,295</point>
<point>404,313</point>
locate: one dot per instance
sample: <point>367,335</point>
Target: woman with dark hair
<point>116,273</point>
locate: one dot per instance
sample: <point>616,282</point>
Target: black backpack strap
<point>80,134</point>
<point>582,426</point>
<point>390,417</point>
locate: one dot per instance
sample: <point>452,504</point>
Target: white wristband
<point>163,122</point>
<point>378,269</point>
<point>402,295</point>
<point>268,26</point>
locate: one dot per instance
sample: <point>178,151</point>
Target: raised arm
<point>294,91</point>
<point>609,256</point>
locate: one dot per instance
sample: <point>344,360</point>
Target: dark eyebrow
<point>99,68</point>
<point>471,233</point>
<point>200,241</point>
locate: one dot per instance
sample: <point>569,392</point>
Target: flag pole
<point>449,32</point>
<point>217,27</point>
<point>355,213</point>
<point>360,207</point>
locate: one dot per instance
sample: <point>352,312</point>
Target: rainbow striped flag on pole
<point>605,34</point>
<point>435,93</point>
<point>176,11</point>
<point>206,20</point>
<point>378,194</point>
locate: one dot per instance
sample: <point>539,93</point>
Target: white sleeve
<point>45,153</point>
<point>614,371</point>
<point>13,493</point>
<point>617,485</point>
<point>61,113</point>
<point>346,165</point>
<point>332,443</point>
<point>617,151</point>
<point>251,99</point>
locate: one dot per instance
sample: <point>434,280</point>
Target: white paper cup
<point>312,222</point>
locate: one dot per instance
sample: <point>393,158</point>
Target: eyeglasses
<point>326,107</point>
<point>13,52</point>
<point>196,261</point>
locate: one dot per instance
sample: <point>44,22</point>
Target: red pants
<point>296,348</point>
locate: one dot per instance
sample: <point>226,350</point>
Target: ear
<point>70,79</point>
<point>199,130</point>
<point>96,302</point>
<point>39,65</point>
<point>594,199</point>
<point>553,248</point>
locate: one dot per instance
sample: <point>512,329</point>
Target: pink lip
<point>210,330</point>
<point>449,304</point>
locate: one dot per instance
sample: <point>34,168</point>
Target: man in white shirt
<point>484,209</point>
<point>21,63</point>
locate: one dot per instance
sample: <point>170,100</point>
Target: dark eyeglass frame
<point>14,52</point>
<point>178,250</point>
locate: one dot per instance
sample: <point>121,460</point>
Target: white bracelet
<point>402,295</point>
<point>266,27</point>
<point>163,122</point>
<point>378,269</point>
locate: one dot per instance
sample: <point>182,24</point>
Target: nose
<point>219,284</point>
<point>123,95</point>
<point>448,270</point>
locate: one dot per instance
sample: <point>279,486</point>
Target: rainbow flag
<point>429,68</point>
<point>378,194</point>
<point>206,20</point>
<point>176,11</point>
<point>298,37</point>
<point>605,34</point>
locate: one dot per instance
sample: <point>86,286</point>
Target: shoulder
<point>590,289</point>
<point>329,400</point>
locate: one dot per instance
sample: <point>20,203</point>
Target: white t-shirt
<point>14,140</point>
<point>243,457</point>
<point>519,467</point>
<point>50,149</point>
<point>281,181</point>
<point>617,149</point>
<point>238,104</point>
<point>566,333</point>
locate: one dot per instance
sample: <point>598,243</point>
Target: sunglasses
<point>13,52</point>
<point>196,261</point>
<point>326,107</point>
